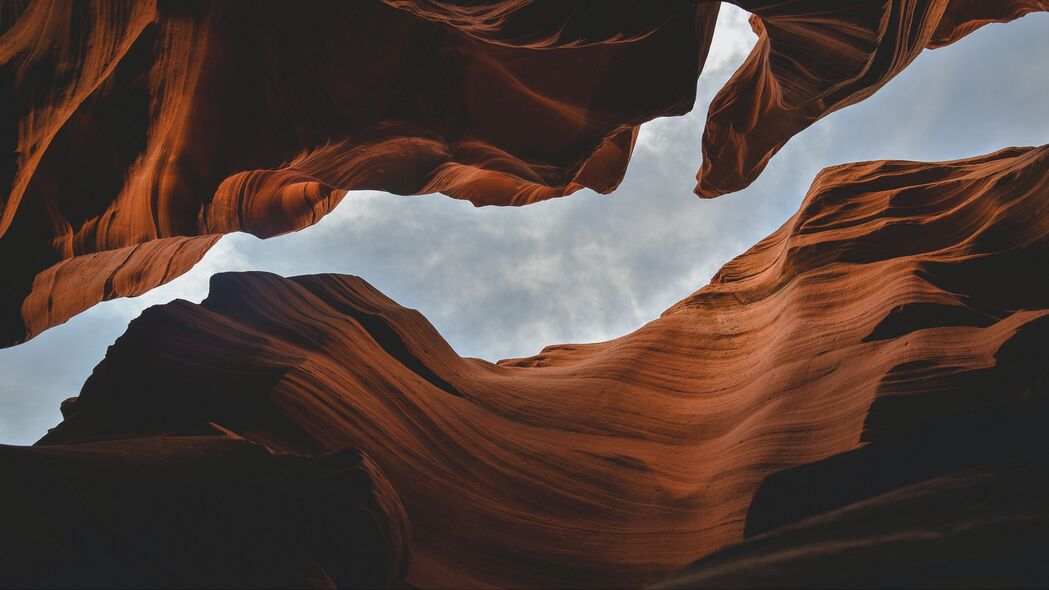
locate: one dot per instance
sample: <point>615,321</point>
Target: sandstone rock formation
<point>867,383</point>
<point>813,58</point>
<point>196,511</point>
<point>901,294</point>
<point>137,132</point>
<point>962,17</point>
<point>958,501</point>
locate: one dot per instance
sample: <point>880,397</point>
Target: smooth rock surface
<point>196,511</point>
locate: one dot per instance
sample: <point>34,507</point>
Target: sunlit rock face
<point>901,294</point>
<point>137,133</point>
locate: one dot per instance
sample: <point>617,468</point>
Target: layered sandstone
<point>814,58</point>
<point>957,500</point>
<point>136,133</point>
<point>901,293</point>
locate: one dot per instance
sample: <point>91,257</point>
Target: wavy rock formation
<point>542,24</point>
<point>196,511</point>
<point>962,17</point>
<point>958,501</point>
<point>137,132</point>
<point>813,58</point>
<point>924,535</point>
<point>865,316</point>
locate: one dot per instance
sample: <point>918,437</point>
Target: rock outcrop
<point>954,501</point>
<point>901,294</point>
<point>196,512</point>
<point>813,58</point>
<point>867,383</point>
<point>962,17</point>
<point>136,133</point>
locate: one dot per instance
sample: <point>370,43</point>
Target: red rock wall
<point>965,16</point>
<point>813,58</point>
<point>614,464</point>
<point>137,132</point>
<point>134,122</point>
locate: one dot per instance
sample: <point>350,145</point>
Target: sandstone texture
<point>136,133</point>
<point>901,295</point>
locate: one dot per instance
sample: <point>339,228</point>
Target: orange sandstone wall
<point>136,132</point>
<point>815,57</point>
<point>614,464</point>
<point>127,123</point>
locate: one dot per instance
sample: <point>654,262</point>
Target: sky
<point>503,282</point>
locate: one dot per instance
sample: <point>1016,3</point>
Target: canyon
<point>855,399</point>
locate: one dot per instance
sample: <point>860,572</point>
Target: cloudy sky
<point>504,282</point>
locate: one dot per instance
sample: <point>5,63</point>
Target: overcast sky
<point>504,282</point>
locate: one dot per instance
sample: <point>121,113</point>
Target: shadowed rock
<point>137,133</point>
<point>818,56</point>
<point>617,463</point>
<point>196,511</point>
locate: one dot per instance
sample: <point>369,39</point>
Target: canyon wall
<point>864,387</point>
<point>813,58</point>
<point>136,133</point>
<point>899,295</point>
<point>233,515</point>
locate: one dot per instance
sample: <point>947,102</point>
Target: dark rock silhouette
<point>196,511</point>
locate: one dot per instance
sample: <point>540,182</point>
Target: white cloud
<point>733,38</point>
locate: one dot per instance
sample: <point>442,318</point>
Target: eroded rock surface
<point>813,58</point>
<point>956,500</point>
<point>136,133</point>
<point>900,293</point>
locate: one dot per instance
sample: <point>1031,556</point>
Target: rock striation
<point>814,58</point>
<point>136,133</point>
<point>962,17</point>
<point>901,297</point>
<point>956,500</point>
